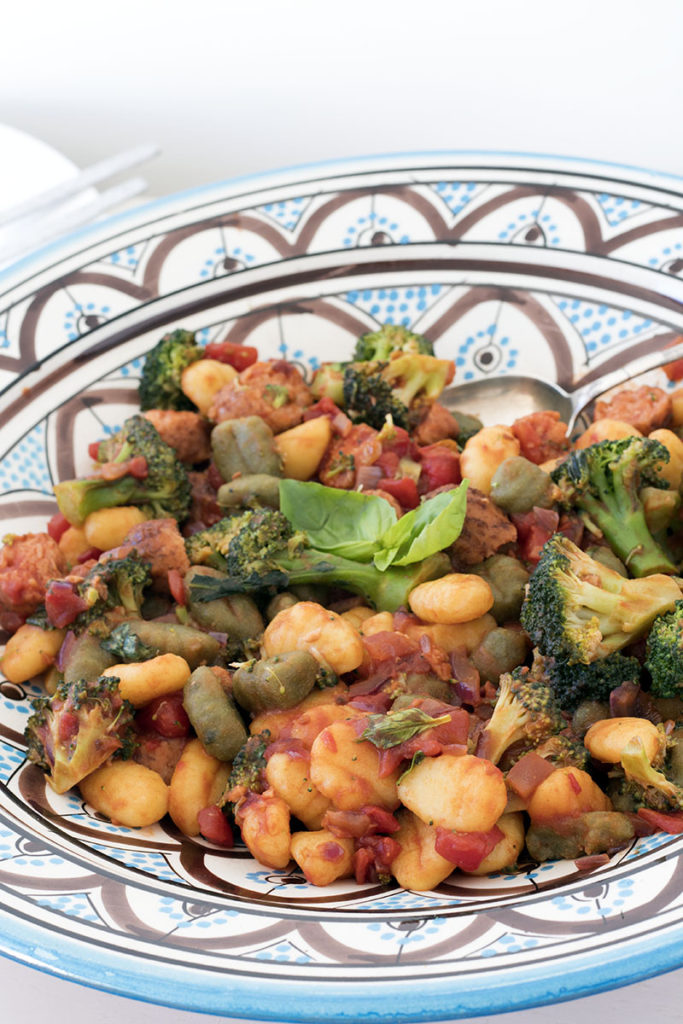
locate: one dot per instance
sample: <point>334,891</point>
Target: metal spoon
<point>504,399</point>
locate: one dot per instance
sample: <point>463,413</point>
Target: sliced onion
<point>367,477</point>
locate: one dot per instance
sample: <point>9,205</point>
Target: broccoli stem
<point>624,526</point>
<point>78,498</point>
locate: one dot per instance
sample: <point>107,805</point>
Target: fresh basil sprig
<point>396,727</point>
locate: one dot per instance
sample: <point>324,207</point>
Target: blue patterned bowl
<point>509,264</point>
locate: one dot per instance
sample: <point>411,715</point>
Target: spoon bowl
<point>506,398</point>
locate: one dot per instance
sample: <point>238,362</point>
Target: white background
<point>235,87</point>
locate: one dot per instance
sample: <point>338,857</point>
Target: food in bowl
<point>373,636</point>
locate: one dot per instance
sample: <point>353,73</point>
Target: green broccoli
<point>573,683</point>
<point>525,709</point>
<point>117,583</point>
<point>164,364</point>
<point>644,785</point>
<point>603,483</point>
<point>578,610</point>
<point>247,774</point>
<point>124,643</point>
<point>264,552</point>
<point>400,387</point>
<point>369,398</point>
<point>381,344</point>
<point>211,546</point>
<point>76,730</point>
<point>564,750</point>
<point>664,660</point>
<point>138,468</point>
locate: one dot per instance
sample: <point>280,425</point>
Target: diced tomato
<point>165,715</point>
<point>404,490</point>
<point>237,356</point>
<point>541,435</point>
<point>440,466</point>
<point>88,555</point>
<point>93,450</point>
<point>388,463</point>
<point>466,850</point>
<point>534,528</point>
<point>400,443</point>
<point>373,857</point>
<point>215,827</point>
<point>528,773</point>
<point>381,820</point>
<point>176,585</point>
<point>63,603</point>
<point>57,525</point>
<point>671,823</point>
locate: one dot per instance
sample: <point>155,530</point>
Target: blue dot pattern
<point>215,263</point>
<point>287,213</point>
<point>4,336</point>
<point>667,256</point>
<point>517,227</point>
<point>509,943</point>
<point>151,863</point>
<point>486,342</point>
<point>25,466</point>
<point>10,759</point>
<point>457,194</point>
<point>73,904</point>
<point>395,305</point>
<point>373,228</point>
<point>128,258</point>
<point>618,208</point>
<point>602,326</point>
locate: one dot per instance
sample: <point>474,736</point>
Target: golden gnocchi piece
<point>30,651</point>
<point>203,379</point>
<point>418,865</point>
<point>345,769</point>
<point>357,616</point>
<point>456,597</point>
<point>671,471</point>
<point>606,430</point>
<point>567,791</point>
<point>198,781</point>
<point>606,739</point>
<point>483,454</point>
<point>505,853</point>
<point>301,448</point>
<point>126,792</point>
<point>142,681</point>
<point>307,626</point>
<point>73,543</point>
<point>381,622</point>
<point>460,792</point>
<point>264,823</point>
<point>453,636</point>
<point>107,528</point>
<point>290,778</point>
<point>276,722</point>
<point>322,856</point>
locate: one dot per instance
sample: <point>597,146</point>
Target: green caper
<point>420,684</point>
<point>213,714</point>
<point>468,425</point>
<point>275,683</point>
<point>243,447</point>
<point>194,645</point>
<point>236,615</point>
<point>517,485</point>
<point>587,713</point>
<point>507,579</point>
<point>500,651</point>
<point>254,489</point>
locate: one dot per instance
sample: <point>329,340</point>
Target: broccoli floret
<point>578,610</point>
<point>380,345</point>
<point>265,532</point>
<point>137,468</point>
<point>369,398</point>
<point>164,364</point>
<point>264,552</point>
<point>525,709</point>
<point>127,646</point>
<point>603,483</point>
<point>664,659</point>
<point>644,784</point>
<point>564,751</point>
<point>118,583</point>
<point>247,774</point>
<point>574,683</point>
<point>328,382</point>
<point>76,730</point>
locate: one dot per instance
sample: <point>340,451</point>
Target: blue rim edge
<point>222,993</point>
<point>340,166</point>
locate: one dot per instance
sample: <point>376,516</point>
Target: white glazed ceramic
<point>508,263</point>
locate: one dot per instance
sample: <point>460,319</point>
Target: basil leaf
<point>429,528</point>
<point>389,730</point>
<point>347,523</point>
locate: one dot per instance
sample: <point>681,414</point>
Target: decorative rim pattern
<point>442,243</point>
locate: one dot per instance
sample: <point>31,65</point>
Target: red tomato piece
<point>57,525</point>
<point>165,715</point>
<point>62,603</point>
<point>93,450</point>
<point>176,584</point>
<point>541,436</point>
<point>534,528</point>
<point>237,356</point>
<point>215,827</point>
<point>466,849</point>
<point>440,466</point>
<point>404,490</point>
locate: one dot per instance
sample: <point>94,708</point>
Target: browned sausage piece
<point>645,408</point>
<point>485,531</point>
<point>27,564</point>
<point>157,541</point>
<point>187,432</point>
<point>275,391</point>
<point>437,424</point>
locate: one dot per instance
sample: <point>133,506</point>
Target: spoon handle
<point>582,396</point>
